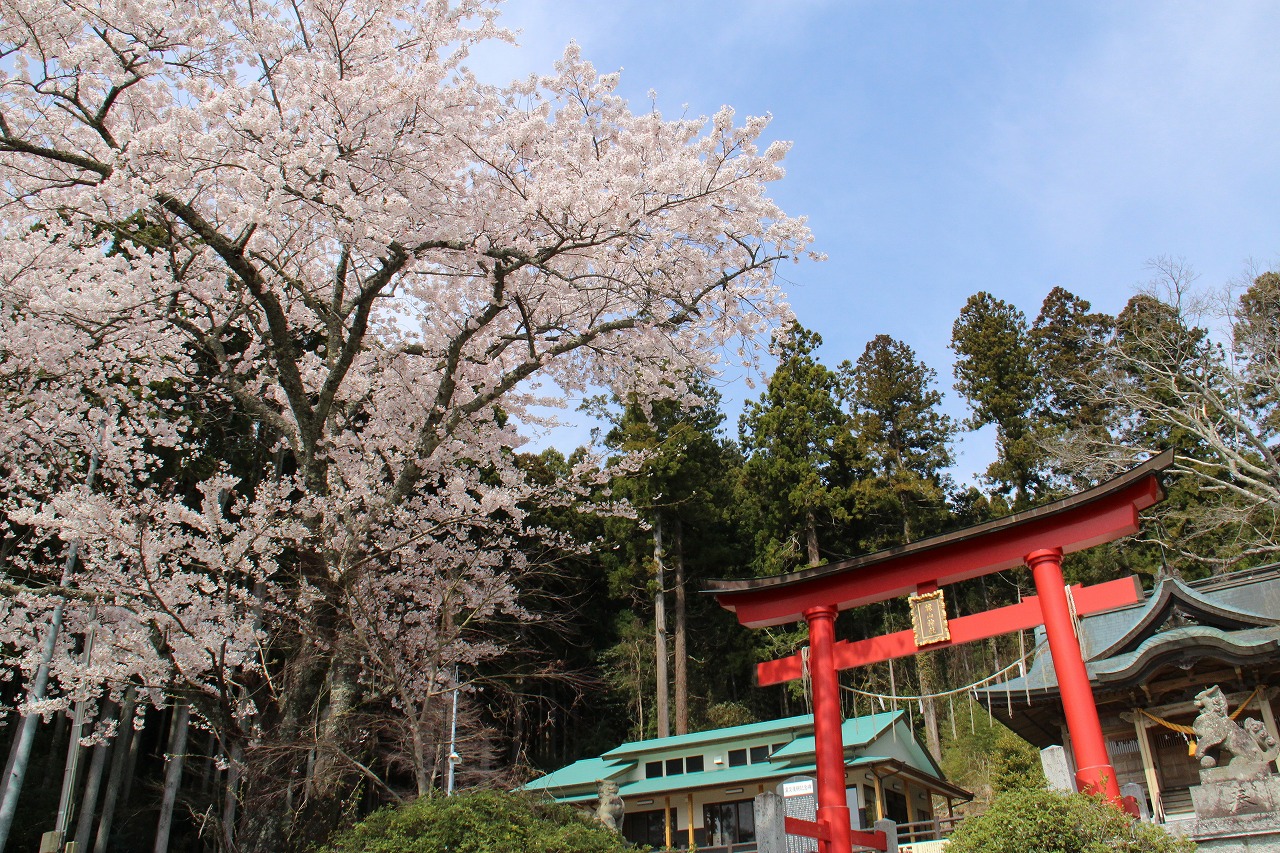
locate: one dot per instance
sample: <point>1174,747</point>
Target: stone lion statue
<point>609,808</point>
<point>1218,736</point>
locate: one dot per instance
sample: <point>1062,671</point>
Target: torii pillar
<point>1094,773</point>
<point>1037,538</point>
<point>833,807</point>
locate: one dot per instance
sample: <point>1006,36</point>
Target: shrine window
<point>752,755</point>
<point>866,807</point>
<point>648,828</point>
<point>895,807</point>
<point>730,823</point>
<point>674,766</point>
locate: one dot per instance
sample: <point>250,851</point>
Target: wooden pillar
<point>1094,773</point>
<point>690,796</point>
<point>666,821</point>
<point>906,795</point>
<point>1149,768</point>
<point>833,808</point>
<point>1268,716</point>
<point>879,796</point>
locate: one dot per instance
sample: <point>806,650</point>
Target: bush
<point>990,759</point>
<point>1039,821</point>
<point>480,822</point>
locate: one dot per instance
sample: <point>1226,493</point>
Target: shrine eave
<point>1101,514</point>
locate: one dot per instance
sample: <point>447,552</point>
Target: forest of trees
<point>271,325</point>
<point>609,639</point>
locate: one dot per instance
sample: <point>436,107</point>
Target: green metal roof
<point>577,782</point>
<point>751,730</point>
<point>712,778</point>
<point>855,732</point>
<point>580,774</point>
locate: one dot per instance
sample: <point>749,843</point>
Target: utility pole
<point>454,758</point>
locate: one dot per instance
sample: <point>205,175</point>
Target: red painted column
<point>833,808</point>
<point>1094,773</point>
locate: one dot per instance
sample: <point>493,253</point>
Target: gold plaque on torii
<point>929,618</point>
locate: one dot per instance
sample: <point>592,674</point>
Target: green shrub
<point>989,758</point>
<point>1040,821</point>
<point>480,822</point>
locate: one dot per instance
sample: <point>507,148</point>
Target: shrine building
<point>697,789</point>
<point>1146,662</point>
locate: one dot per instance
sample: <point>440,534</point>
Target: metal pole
<point>1094,773</point>
<point>454,758</point>
<point>833,807</point>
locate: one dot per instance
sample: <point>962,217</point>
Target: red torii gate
<point>1036,538</point>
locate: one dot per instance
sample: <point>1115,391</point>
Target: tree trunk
<point>682,633</point>
<point>422,774</point>
<point>640,696</point>
<point>327,771</point>
<point>231,795</point>
<point>57,750</point>
<point>276,764</point>
<point>122,747</point>
<point>926,674</point>
<point>172,776</point>
<point>235,770</point>
<point>135,748</point>
<point>811,538</point>
<point>71,769</point>
<point>517,755</point>
<point>20,755</point>
<point>209,775</point>
<point>92,787</point>
<point>13,757</point>
<point>661,699</point>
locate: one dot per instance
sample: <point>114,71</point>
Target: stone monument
<point>1057,770</point>
<point>800,799</point>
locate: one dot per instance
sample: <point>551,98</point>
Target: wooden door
<point>1175,767</point>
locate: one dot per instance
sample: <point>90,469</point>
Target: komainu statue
<point>1249,748</point>
<point>610,807</point>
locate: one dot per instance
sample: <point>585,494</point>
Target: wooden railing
<point>927,830</point>
<point>908,833</point>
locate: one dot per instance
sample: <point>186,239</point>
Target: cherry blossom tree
<point>287,273</point>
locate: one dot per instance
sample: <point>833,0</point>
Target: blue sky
<point>946,148</point>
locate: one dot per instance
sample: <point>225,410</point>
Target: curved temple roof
<point>1101,514</point>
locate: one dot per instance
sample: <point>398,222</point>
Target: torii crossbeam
<point>1037,538</point>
